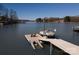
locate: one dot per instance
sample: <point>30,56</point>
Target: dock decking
<point>34,39</point>
<point>66,46</point>
<point>62,44</point>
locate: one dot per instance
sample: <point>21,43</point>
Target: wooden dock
<point>66,46</point>
<point>33,40</point>
<point>61,44</point>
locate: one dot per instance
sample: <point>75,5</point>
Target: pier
<point>66,46</point>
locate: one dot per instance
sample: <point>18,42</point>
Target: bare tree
<point>13,15</point>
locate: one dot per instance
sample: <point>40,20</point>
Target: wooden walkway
<point>66,46</point>
<point>61,44</point>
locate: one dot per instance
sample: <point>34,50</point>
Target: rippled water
<point>12,40</point>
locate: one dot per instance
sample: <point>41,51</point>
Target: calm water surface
<point>12,40</point>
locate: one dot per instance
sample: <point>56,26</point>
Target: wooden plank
<point>66,46</point>
<point>30,41</point>
<point>32,45</point>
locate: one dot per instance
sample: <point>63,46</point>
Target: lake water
<point>13,42</point>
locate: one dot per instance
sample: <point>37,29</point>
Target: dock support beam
<point>50,49</point>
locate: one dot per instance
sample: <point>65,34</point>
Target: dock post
<point>50,49</point>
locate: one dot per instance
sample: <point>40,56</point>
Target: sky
<point>31,11</point>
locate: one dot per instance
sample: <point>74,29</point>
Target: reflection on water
<point>12,40</point>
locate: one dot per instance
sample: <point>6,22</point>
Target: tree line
<point>51,19</point>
